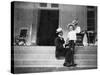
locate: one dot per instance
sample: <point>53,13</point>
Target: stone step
<point>52,56</point>
<point>44,56</point>
<point>61,65</point>
<point>58,60</point>
<point>51,52</point>
<point>34,48</point>
<point>52,62</point>
<point>25,49</point>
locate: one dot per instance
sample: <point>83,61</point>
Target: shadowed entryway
<point>47,25</point>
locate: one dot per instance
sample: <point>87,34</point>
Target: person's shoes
<point>66,64</point>
<point>73,65</point>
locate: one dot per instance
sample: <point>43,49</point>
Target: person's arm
<point>75,37</point>
<point>63,40</point>
<point>74,41</point>
<point>67,42</point>
<point>67,39</point>
<point>56,42</point>
<point>78,29</point>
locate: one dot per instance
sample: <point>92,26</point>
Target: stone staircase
<point>44,56</point>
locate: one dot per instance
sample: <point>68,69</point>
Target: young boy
<point>71,38</point>
<point>59,42</point>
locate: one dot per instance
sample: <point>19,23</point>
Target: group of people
<point>67,48</point>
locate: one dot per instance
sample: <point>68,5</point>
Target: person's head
<point>71,27</point>
<point>59,32</point>
<point>75,21</point>
<point>76,18</point>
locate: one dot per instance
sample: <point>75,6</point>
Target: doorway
<point>47,25</point>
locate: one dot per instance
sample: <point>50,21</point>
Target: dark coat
<point>60,50</point>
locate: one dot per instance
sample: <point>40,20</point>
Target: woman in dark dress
<point>59,42</point>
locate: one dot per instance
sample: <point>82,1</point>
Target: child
<point>71,38</point>
<point>59,42</point>
<point>75,23</point>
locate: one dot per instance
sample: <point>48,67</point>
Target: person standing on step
<point>59,43</point>
<point>71,39</point>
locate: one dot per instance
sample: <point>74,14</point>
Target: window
<point>55,5</point>
<point>43,4</point>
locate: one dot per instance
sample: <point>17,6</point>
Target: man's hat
<point>59,30</point>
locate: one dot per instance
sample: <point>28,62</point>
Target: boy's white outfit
<point>71,35</point>
<point>69,58</point>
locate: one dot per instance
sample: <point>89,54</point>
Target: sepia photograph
<point>51,37</point>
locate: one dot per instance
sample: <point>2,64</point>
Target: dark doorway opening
<point>47,25</point>
<point>23,33</point>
